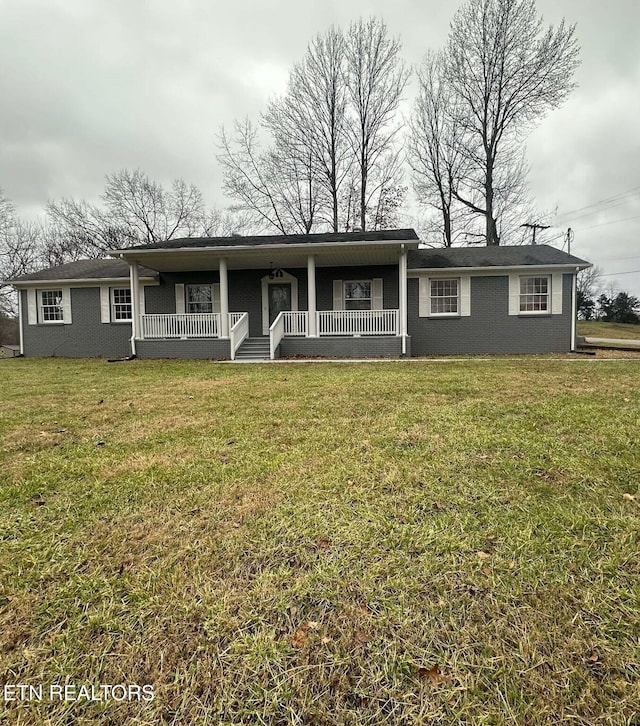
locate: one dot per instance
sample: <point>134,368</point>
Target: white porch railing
<point>238,331</point>
<point>181,325</point>
<point>276,333</point>
<point>295,323</point>
<point>357,322</point>
<point>234,317</point>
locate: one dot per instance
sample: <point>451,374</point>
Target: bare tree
<point>136,210</point>
<point>20,252</point>
<point>78,229</point>
<point>332,162</point>
<point>375,79</point>
<point>151,212</point>
<point>308,123</point>
<point>274,190</point>
<point>507,72</point>
<point>435,148</point>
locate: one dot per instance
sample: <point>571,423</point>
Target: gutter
<point>229,249</point>
<point>419,271</point>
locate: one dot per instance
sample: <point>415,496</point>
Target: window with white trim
<point>199,299</point>
<point>444,296</point>
<point>121,304</point>
<point>51,306</point>
<point>534,294</point>
<point>357,294</point>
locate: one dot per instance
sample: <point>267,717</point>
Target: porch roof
<point>335,249</point>
<point>279,240</point>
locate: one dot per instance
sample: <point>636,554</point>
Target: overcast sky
<point>92,86</point>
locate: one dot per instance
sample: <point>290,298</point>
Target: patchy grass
<point>414,543</point>
<point>597,329</point>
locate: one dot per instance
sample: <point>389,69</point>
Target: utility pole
<point>569,239</point>
<point>535,228</point>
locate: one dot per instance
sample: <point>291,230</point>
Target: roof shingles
<point>85,270</point>
<point>491,256</point>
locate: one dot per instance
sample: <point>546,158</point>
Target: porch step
<point>254,349</point>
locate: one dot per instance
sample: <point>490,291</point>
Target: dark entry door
<point>279,299</point>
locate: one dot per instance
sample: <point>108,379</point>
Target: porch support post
<point>312,331</point>
<point>224,299</point>
<point>136,321</point>
<point>402,293</point>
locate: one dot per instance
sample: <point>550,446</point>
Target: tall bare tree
<point>332,162</point>
<point>507,71</point>
<point>308,122</point>
<point>435,148</point>
<point>375,78</point>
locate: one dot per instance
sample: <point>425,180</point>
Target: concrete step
<point>254,349</point>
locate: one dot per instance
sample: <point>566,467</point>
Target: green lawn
<point>597,329</point>
<point>305,544</point>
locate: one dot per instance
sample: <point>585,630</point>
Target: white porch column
<point>402,292</point>
<point>136,322</point>
<point>312,331</point>
<point>224,299</point>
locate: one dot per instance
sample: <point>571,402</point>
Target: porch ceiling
<point>183,260</point>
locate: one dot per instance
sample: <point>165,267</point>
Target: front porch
<point>314,295</point>
<point>337,333</point>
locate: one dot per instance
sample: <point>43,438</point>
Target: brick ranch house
<point>356,294</point>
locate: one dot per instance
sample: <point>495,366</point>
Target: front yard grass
<point>413,543</point>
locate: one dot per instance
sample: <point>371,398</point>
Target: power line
<point>610,274</point>
<point>614,221</point>
<point>605,208</point>
<point>607,200</point>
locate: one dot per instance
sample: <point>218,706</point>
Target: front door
<point>279,299</point>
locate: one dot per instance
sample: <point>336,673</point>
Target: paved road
<point>615,341</point>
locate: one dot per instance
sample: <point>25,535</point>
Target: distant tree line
<point>608,306</point>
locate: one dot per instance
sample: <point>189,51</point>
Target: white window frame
<point>42,306</point>
<point>357,282</point>
<point>523,295</point>
<point>424,296</point>
<point>188,302</point>
<point>433,298</point>
<point>114,305</point>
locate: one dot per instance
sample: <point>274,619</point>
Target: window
<point>444,297</point>
<point>121,303</point>
<point>199,299</point>
<point>51,306</point>
<point>357,295</point>
<point>534,294</point>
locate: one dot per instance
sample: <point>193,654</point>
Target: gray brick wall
<point>490,328</point>
<point>343,347</point>
<point>85,337</point>
<point>213,348</point>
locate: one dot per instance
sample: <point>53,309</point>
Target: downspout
<point>574,311</point>
<point>20,322</point>
<point>135,304</point>
<point>403,298</point>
